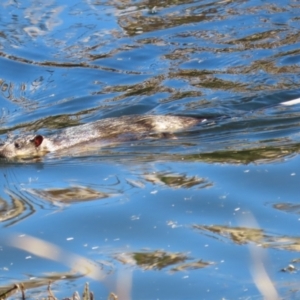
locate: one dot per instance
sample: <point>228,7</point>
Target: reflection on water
<point>262,155</point>
<point>157,260</point>
<point>42,18</point>
<point>69,195</point>
<point>65,63</point>
<point>288,207</point>
<point>19,209</point>
<point>177,180</point>
<point>10,212</point>
<point>238,235</point>
<point>242,235</point>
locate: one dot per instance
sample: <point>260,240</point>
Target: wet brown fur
<point>108,130</point>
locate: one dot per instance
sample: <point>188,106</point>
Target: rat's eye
<point>17,145</point>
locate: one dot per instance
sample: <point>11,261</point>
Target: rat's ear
<point>37,140</point>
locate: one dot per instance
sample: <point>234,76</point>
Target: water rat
<point>109,130</point>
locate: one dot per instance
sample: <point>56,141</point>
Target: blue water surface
<point>209,214</point>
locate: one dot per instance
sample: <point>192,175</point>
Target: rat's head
<point>27,146</point>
